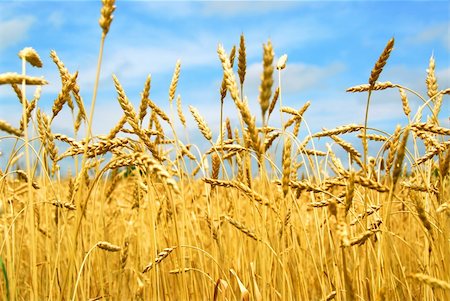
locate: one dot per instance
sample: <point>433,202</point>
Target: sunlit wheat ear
<point>106,16</point>
<point>431,81</point>
<point>144,98</point>
<point>401,151</point>
<point>339,130</point>
<point>65,76</point>
<point>431,281</point>
<point>423,215</point>
<point>379,65</point>
<point>15,78</point>
<point>174,82</point>
<point>180,111</point>
<point>274,101</point>
<point>349,148</point>
<point>141,159</point>
<point>132,118</point>
<point>31,56</point>
<point>67,139</point>
<point>265,89</point>
<point>432,152</point>
<point>249,120</point>
<point>241,227</point>
<point>95,149</point>
<point>286,166</point>
<point>66,205</point>
<point>367,87</point>
<point>18,92</point>
<point>223,87</point>
<point>158,111</point>
<point>104,245</point>
<point>47,137</point>
<point>228,127</point>
<point>361,238</point>
<point>160,257</point>
<point>117,128</point>
<point>202,126</point>
<point>431,128</point>
<point>228,74</point>
<point>391,146</point>
<point>405,102</point>
<point>432,88</point>
<point>24,176</point>
<point>215,166</point>
<point>6,127</point>
<point>298,115</point>
<point>63,95</point>
<point>242,60</point>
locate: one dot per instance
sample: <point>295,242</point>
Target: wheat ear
<point>379,65</point>
<point>31,56</point>
<point>265,89</point>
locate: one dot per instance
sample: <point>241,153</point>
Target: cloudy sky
<point>330,46</point>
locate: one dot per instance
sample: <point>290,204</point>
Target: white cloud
<point>131,62</point>
<point>242,8</point>
<point>56,19</point>
<point>439,32</point>
<point>14,31</point>
<point>171,9</point>
<point>296,77</point>
<point>443,78</point>
<point>222,9</point>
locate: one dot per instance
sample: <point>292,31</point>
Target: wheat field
<point>262,214</point>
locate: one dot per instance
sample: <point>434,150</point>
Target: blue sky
<point>330,46</point>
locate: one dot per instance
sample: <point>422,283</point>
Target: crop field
<point>263,214</point>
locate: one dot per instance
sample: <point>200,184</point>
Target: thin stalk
<point>34,283</point>
<point>94,93</point>
<point>83,164</point>
<point>365,151</point>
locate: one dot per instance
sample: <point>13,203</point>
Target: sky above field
<point>330,46</point>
